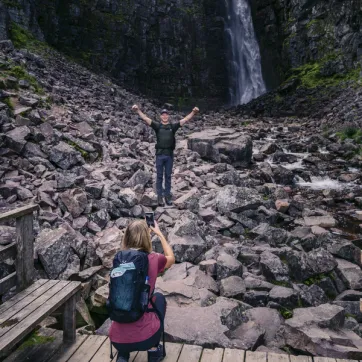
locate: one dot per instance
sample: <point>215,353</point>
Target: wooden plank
<point>20,296</point>
<point>212,355</point>
<point>88,349</point>
<point>22,304</point>
<point>233,355</point>
<point>324,359</point>
<point>44,308</point>
<point>25,270</point>
<point>7,283</point>
<point>8,252</point>
<point>255,356</point>
<point>141,357</point>
<point>66,351</point>
<point>190,353</point>
<point>275,357</point>
<point>69,321</point>
<point>300,358</point>
<point>173,351</point>
<point>28,353</point>
<point>103,354</point>
<point>21,211</point>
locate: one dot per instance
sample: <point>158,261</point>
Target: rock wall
<point>170,50</point>
<point>292,33</point>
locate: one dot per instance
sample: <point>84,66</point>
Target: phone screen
<point>150,218</point>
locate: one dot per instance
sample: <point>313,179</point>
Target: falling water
<point>246,80</point>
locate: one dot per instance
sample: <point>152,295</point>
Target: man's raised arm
<point>142,115</point>
<point>188,117</point>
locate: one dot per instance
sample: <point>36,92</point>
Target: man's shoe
<point>160,201</point>
<point>168,200</point>
<point>122,359</point>
<point>156,355</point>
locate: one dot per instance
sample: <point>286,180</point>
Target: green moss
<point>280,284</point>
<point>286,313</point>
<point>75,146</point>
<point>9,103</point>
<point>36,339</point>
<point>20,73</point>
<point>22,38</point>
<point>310,74</point>
<point>315,279</point>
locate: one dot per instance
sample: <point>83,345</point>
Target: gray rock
<point>7,235</point>
<point>75,201</point>
<point>232,287</point>
<point>311,296</point>
<point>270,235</point>
<point>222,144</point>
<point>108,242</point>
<point>350,273</point>
<point>186,239</point>
<point>139,178</point>
<point>273,268</point>
<point>65,156</point>
<point>287,297</point>
<point>17,138</point>
<point>236,199</point>
<point>248,336</point>
<point>226,266</point>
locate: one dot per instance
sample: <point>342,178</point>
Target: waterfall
<point>245,77</point>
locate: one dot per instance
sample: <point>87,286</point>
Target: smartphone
<point>150,218</point>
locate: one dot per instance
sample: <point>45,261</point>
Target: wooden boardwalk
<point>97,349</point>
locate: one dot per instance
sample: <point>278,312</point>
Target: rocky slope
<point>266,224</point>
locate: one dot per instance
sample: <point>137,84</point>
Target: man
<point>165,145</point>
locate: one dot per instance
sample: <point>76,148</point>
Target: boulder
<point>311,296</point>
<point>232,287</point>
<point>270,235</point>
<point>186,239</point>
<point>75,201</point>
<point>17,138</point>
<point>212,323</point>
<point>273,268</point>
<point>226,266</point>
<point>286,297</point>
<point>351,274</point>
<point>319,331</point>
<point>248,336</point>
<point>236,199</point>
<point>108,242</point>
<point>222,144</point>
<point>140,178</point>
<point>7,234</point>
<point>65,156</point>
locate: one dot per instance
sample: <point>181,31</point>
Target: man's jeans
<point>164,165</point>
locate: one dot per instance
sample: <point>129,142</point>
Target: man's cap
<point>164,111</point>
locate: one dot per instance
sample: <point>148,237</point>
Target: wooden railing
<point>21,249</point>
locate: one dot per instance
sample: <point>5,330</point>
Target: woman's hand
<point>156,229</point>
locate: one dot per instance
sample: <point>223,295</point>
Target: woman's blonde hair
<point>137,236</point>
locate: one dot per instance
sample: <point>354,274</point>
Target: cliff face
<point>293,33</point>
<point>172,50</point>
<point>175,50</point>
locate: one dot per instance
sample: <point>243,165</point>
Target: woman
<point>144,334</point>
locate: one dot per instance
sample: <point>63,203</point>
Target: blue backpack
<point>129,286</point>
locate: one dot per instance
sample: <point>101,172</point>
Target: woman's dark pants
<point>124,349</point>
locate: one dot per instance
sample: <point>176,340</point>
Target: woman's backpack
<point>129,288</point>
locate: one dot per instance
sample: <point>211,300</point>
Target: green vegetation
<point>310,74</point>
<point>36,339</point>
<point>76,147</point>
<point>315,279</point>
<point>9,103</point>
<point>278,98</point>
<point>20,73</point>
<point>280,283</point>
<point>22,38</point>
<point>286,313</point>
<point>353,133</point>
